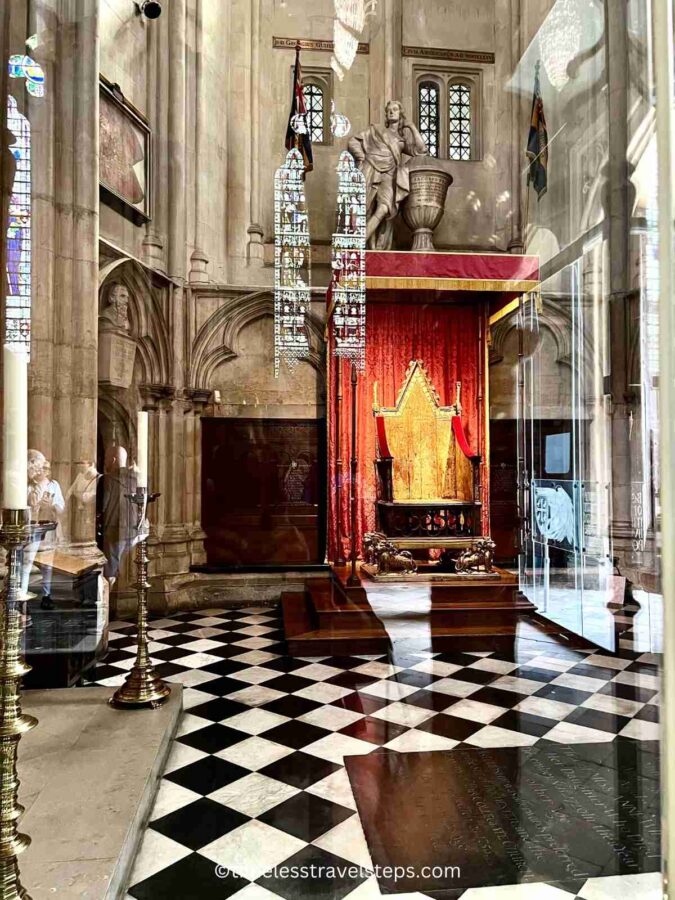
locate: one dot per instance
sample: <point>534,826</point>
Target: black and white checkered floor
<point>256,780</point>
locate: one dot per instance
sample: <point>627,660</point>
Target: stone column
<point>63,371</point>
<point>385,61</point>
<point>255,231</point>
<point>618,212</point>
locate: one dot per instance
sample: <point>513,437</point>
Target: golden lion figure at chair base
<point>477,558</point>
<point>380,552</point>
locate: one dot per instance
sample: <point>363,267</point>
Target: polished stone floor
<point>256,780</point>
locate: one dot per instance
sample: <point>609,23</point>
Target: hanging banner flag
<point>537,142</point>
<point>291,263</point>
<point>297,130</point>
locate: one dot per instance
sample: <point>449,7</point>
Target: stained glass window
<point>17,311</point>
<point>459,121</point>
<point>429,115</point>
<point>315,112</point>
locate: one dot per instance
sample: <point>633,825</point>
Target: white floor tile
<point>404,714</point>
<point>568,733</point>
<point>332,718</point>
<point>255,721</point>
<point>254,753</point>
<point>156,852</point>
<point>336,788</point>
<point>254,794</point>
<point>641,731</point>
<point>334,747</point>
<point>475,711</point>
<point>493,736</point>
<point>624,887</point>
<point>347,841</point>
<point>414,741</point>
<point>252,849</point>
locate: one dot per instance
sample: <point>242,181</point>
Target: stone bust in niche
<point>116,347</point>
<point>115,313</point>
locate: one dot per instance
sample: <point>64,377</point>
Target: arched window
<point>459,121</point>
<point>314,101</point>
<point>429,115</point>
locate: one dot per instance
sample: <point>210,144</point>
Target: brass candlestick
<point>16,532</point>
<point>143,688</point>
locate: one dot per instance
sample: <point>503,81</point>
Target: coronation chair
<point>428,480</point>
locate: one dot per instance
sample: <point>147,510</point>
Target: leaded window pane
<point>459,121</point>
<point>429,115</point>
<point>315,112</point>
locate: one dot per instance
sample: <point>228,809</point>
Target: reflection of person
<point>117,480</point>
<point>46,503</point>
<point>382,153</point>
<point>83,489</point>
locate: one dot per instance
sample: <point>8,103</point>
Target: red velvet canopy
<point>451,342</point>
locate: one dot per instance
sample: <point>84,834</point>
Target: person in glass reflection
<point>45,499</point>
<point>118,480</point>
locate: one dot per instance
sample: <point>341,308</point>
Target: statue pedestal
<point>116,354</point>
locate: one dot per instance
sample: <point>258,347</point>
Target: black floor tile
<point>353,680</point>
<point>430,700</point>
<point>288,683</point>
<point>199,823</point>
<point>207,774</point>
<point>305,816</point>
<point>451,727</point>
<point>295,734</point>
<point>496,697</point>
<point>594,718</point>
<point>291,706</point>
<point>535,674</point>
<point>300,769</point>
<point>476,676</point>
<point>212,738</point>
<point>628,692</point>
<point>191,878</point>
<point>525,723</point>
<point>377,731</point>
<point>363,703</point>
<point>346,878</point>
<point>648,713</point>
<point>562,694</point>
<point>218,709</point>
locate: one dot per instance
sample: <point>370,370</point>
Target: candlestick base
<point>16,531</point>
<point>142,688</point>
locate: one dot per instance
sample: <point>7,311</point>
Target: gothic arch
<point>553,318</point>
<point>146,315</point>
<point>218,339</point>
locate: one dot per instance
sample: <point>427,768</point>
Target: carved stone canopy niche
<point>116,347</point>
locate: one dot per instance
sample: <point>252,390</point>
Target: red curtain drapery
<point>450,340</point>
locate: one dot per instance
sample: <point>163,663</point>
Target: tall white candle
<point>15,430</point>
<point>142,455</point>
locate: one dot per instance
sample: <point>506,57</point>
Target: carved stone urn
<point>424,206</point>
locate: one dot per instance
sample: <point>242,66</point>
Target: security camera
<point>151,9</point>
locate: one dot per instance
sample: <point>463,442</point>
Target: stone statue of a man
<point>116,310</point>
<point>383,152</point>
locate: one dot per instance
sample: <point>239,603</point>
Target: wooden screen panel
<point>263,491</point>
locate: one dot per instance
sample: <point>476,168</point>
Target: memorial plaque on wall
<point>124,159</point>
<point>263,491</point>
<point>116,354</point>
